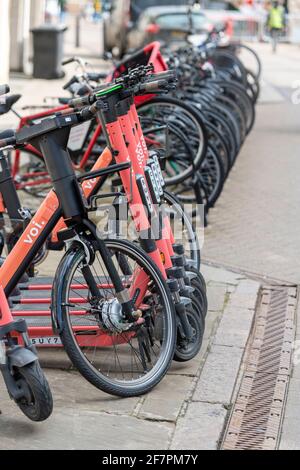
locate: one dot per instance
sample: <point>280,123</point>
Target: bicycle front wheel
<point>117,357</point>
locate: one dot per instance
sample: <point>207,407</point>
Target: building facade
<point>17,18</point>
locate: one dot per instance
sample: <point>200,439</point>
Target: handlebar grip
<point>168,75</point>
<point>86,114</point>
<point>89,112</point>
<point>68,61</point>
<point>4,89</point>
<point>7,142</point>
<point>151,86</point>
<point>155,86</point>
<point>81,102</point>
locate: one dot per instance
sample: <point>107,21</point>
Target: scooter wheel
<point>37,402</point>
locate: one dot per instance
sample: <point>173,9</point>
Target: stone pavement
<point>187,410</point>
<point>255,225</point>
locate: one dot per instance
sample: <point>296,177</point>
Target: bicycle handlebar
<point>4,89</point>
<point>9,141</point>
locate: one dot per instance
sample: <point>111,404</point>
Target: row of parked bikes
<point>162,129</point>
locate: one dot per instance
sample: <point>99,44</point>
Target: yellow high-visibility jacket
<point>276,17</point>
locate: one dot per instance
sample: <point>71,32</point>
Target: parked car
<point>169,25</point>
<point>120,17</point>
<point>219,5</point>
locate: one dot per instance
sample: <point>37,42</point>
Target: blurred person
<point>97,10</point>
<point>89,10</point>
<point>63,9</point>
<point>275,23</point>
<point>52,11</point>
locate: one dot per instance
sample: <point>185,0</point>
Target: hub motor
<point>112,316</point>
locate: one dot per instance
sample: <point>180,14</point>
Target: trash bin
<point>48,42</point>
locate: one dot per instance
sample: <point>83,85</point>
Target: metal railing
<point>250,27</point>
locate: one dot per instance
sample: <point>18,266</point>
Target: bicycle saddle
<point>7,134</point>
<point>8,103</point>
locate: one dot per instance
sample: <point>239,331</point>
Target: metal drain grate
<point>256,416</point>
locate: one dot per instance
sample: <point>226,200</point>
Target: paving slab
<point>166,400</point>
<point>292,410</point>
<point>200,428</point>
<point>234,327</point>
<point>83,430</point>
<point>217,274</point>
<point>290,436</point>
<point>216,297</point>
<point>219,374</point>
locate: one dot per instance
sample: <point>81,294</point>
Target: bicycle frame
<point>6,317</point>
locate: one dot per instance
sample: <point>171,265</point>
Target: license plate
<point>45,341</point>
<point>157,179</point>
<point>158,169</point>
